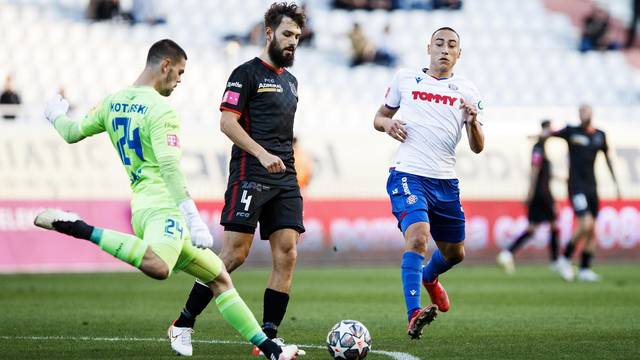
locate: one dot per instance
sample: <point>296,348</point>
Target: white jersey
<point>434,121</point>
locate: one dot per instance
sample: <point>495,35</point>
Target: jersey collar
<point>271,67</point>
<point>424,70</point>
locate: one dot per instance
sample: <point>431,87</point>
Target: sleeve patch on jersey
<point>536,159</point>
<point>231,97</point>
<point>172,140</point>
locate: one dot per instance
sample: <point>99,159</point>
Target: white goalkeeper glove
<point>200,234</point>
<point>55,107</point>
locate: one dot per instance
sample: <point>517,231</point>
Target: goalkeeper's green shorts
<point>166,232</point>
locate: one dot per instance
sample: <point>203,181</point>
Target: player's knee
<point>159,272</point>
<point>234,258</point>
<point>586,223</point>
<point>221,283</point>
<point>154,267</point>
<point>286,257</point>
<point>455,255</point>
<point>417,242</point>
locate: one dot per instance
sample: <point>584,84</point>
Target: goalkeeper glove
<point>55,107</point>
<point>200,235</point>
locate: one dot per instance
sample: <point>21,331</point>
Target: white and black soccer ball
<point>349,340</point>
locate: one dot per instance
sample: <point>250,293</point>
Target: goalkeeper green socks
<point>238,315</point>
<point>125,247</point>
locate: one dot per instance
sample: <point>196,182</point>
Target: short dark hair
<point>163,49</point>
<point>446,28</point>
<point>545,123</point>
<point>273,16</point>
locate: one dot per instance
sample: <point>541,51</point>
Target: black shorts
<point>541,210</point>
<point>247,203</point>
<point>585,202</point>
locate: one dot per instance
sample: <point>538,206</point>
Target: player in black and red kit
<point>540,203</point>
<point>258,109</point>
<point>584,142</point>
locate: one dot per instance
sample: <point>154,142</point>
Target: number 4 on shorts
<point>246,200</point>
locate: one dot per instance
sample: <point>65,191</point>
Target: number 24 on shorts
<point>172,227</point>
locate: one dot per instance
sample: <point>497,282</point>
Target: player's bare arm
<point>473,126</point>
<point>384,122</point>
<point>613,174</point>
<point>229,126</point>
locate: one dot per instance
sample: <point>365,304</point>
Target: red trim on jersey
<point>272,68</point>
<point>232,203</point>
<point>243,157</point>
<point>224,108</point>
<point>243,164</point>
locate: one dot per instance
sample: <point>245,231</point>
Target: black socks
<point>270,349</point>
<point>553,245</point>
<point>520,241</point>
<point>78,229</point>
<point>568,251</point>
<point>275,306</point>
<point>198,300</point>
<point>585,261</point>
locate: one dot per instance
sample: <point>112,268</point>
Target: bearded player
<point>258,109</point>
<point>425,198</point>
<point>169,235</point>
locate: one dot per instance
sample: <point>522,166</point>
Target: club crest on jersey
<point>453,87</point>
<point>412,199</point>
<point>418,79</point>
<point>294,91</point>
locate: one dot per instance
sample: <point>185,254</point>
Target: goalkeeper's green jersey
<point>144,130</point>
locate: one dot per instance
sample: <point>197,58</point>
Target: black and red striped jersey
<point>266,98</point>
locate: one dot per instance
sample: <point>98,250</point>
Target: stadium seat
<point>500,53</point>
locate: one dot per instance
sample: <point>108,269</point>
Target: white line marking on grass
<point>392,354</point>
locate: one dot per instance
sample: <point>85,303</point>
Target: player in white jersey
<point>422,184</point>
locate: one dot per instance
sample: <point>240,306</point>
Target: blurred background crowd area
<point>519,53</point>
<point>530,59</point>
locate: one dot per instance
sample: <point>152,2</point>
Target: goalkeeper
<point>170,234</point>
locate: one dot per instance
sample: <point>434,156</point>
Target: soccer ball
<point>349,340</point>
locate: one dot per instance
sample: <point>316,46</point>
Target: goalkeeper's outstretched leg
<point>126,247</point>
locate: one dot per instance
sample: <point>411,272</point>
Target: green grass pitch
<point>531,315</point>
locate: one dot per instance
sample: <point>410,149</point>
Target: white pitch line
<point>392,354</point>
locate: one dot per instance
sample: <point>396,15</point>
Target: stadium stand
<point>527,56</point>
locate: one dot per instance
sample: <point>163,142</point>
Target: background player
<point>422,183</point>
<point>144,129</point>
<point>539,201</point>
<point>584,142</point>
<point>258,109</point>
